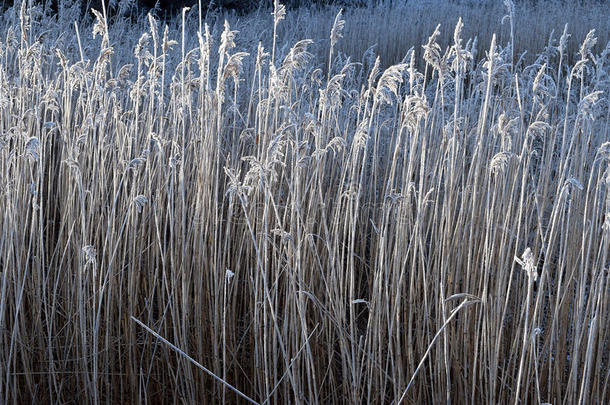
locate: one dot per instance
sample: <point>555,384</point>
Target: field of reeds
<point>191,214</point>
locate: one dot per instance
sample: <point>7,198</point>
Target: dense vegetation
<point>164,7</point>
<point>170,7</point>
<point>194,214</point>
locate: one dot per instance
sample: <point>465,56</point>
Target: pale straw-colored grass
<point>197,217</point>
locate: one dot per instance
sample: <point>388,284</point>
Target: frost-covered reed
<point>196,223</point>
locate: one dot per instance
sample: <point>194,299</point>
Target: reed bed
<point>199,219</point>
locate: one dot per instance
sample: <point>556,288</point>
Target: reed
<point>219,217</point>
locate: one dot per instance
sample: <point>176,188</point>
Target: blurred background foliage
<point>242,6</point>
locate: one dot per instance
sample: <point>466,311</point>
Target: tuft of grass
<point>219,216</point>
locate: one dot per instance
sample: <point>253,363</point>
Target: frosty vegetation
<point>191,214</point>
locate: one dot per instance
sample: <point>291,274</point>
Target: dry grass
<point>181,221</point>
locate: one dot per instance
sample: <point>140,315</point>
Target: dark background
<point>169,7</point>
<point>174,6</point>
